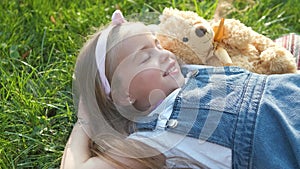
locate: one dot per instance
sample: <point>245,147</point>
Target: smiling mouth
<point>170,70</point>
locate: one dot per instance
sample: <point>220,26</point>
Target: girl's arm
<point>77,153</point>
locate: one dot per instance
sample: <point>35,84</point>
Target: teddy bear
<point>226,42</point>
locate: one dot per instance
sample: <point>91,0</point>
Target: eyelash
<point>146,59</point>
<point>157,44</point>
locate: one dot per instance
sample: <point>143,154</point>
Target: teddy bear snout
<point>200,31</point>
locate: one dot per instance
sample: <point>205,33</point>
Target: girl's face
<point>147,72</point>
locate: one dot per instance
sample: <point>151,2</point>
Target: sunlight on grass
<point>39,42</point>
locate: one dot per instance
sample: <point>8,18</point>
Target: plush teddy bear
<point>221,43</point>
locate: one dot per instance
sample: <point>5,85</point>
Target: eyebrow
<point>135,54</point>
<point>142,48</point>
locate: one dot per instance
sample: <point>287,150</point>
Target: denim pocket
<point>220,105</point>
<point>218,89</point>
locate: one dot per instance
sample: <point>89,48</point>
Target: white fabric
<point>174,145</point>
<point>100,54</point>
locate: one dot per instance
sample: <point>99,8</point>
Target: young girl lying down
<point>141,109</point>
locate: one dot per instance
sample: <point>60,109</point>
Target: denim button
<point>192,73</point>
<point>172,123</point>
<point>195,72</point>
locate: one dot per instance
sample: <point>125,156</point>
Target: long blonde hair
<point>107,128</point>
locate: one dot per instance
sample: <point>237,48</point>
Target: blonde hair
<point>103,117</point>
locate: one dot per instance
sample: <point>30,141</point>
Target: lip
<point>171,69</point>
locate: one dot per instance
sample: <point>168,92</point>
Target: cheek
<point>144,82</point>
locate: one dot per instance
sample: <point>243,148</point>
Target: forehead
<point>127,31</point>
<point>127,39</point>
<point>133,29</point>
<point>137,39</point>
<point>133,44</point>
<point>130,37</point>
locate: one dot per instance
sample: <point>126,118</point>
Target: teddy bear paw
<point>276,61</point>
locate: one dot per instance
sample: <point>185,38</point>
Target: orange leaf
<point>52,19</point>
<point>24,56</point>
<point>219,31</point>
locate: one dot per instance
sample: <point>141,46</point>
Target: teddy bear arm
<point>223,56</point>
<point>261,42</point>
<point>276,60</point>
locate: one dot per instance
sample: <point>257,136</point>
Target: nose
<point>200,31</point>
<point>165,56</point>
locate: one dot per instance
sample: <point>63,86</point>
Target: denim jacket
<point>256,116</point>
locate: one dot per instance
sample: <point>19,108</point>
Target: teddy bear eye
<point>200,32</point>
<point>185,39</point>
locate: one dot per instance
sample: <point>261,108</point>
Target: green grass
<point>39,42</point>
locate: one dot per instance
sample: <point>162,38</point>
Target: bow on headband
<point>100,52</point>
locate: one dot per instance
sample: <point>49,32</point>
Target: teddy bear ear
<point>167,13</point>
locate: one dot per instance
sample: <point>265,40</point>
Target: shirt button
<point>172,123</point>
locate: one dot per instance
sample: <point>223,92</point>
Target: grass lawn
<point>39,42</point>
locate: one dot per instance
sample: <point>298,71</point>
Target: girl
<point>140,110</point>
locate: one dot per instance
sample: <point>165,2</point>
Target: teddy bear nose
<point>200,31</point>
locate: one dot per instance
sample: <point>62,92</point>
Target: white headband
<point>100,52</point>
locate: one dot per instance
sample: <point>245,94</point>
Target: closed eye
<point>148,57</point>
<point>145,57</point>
